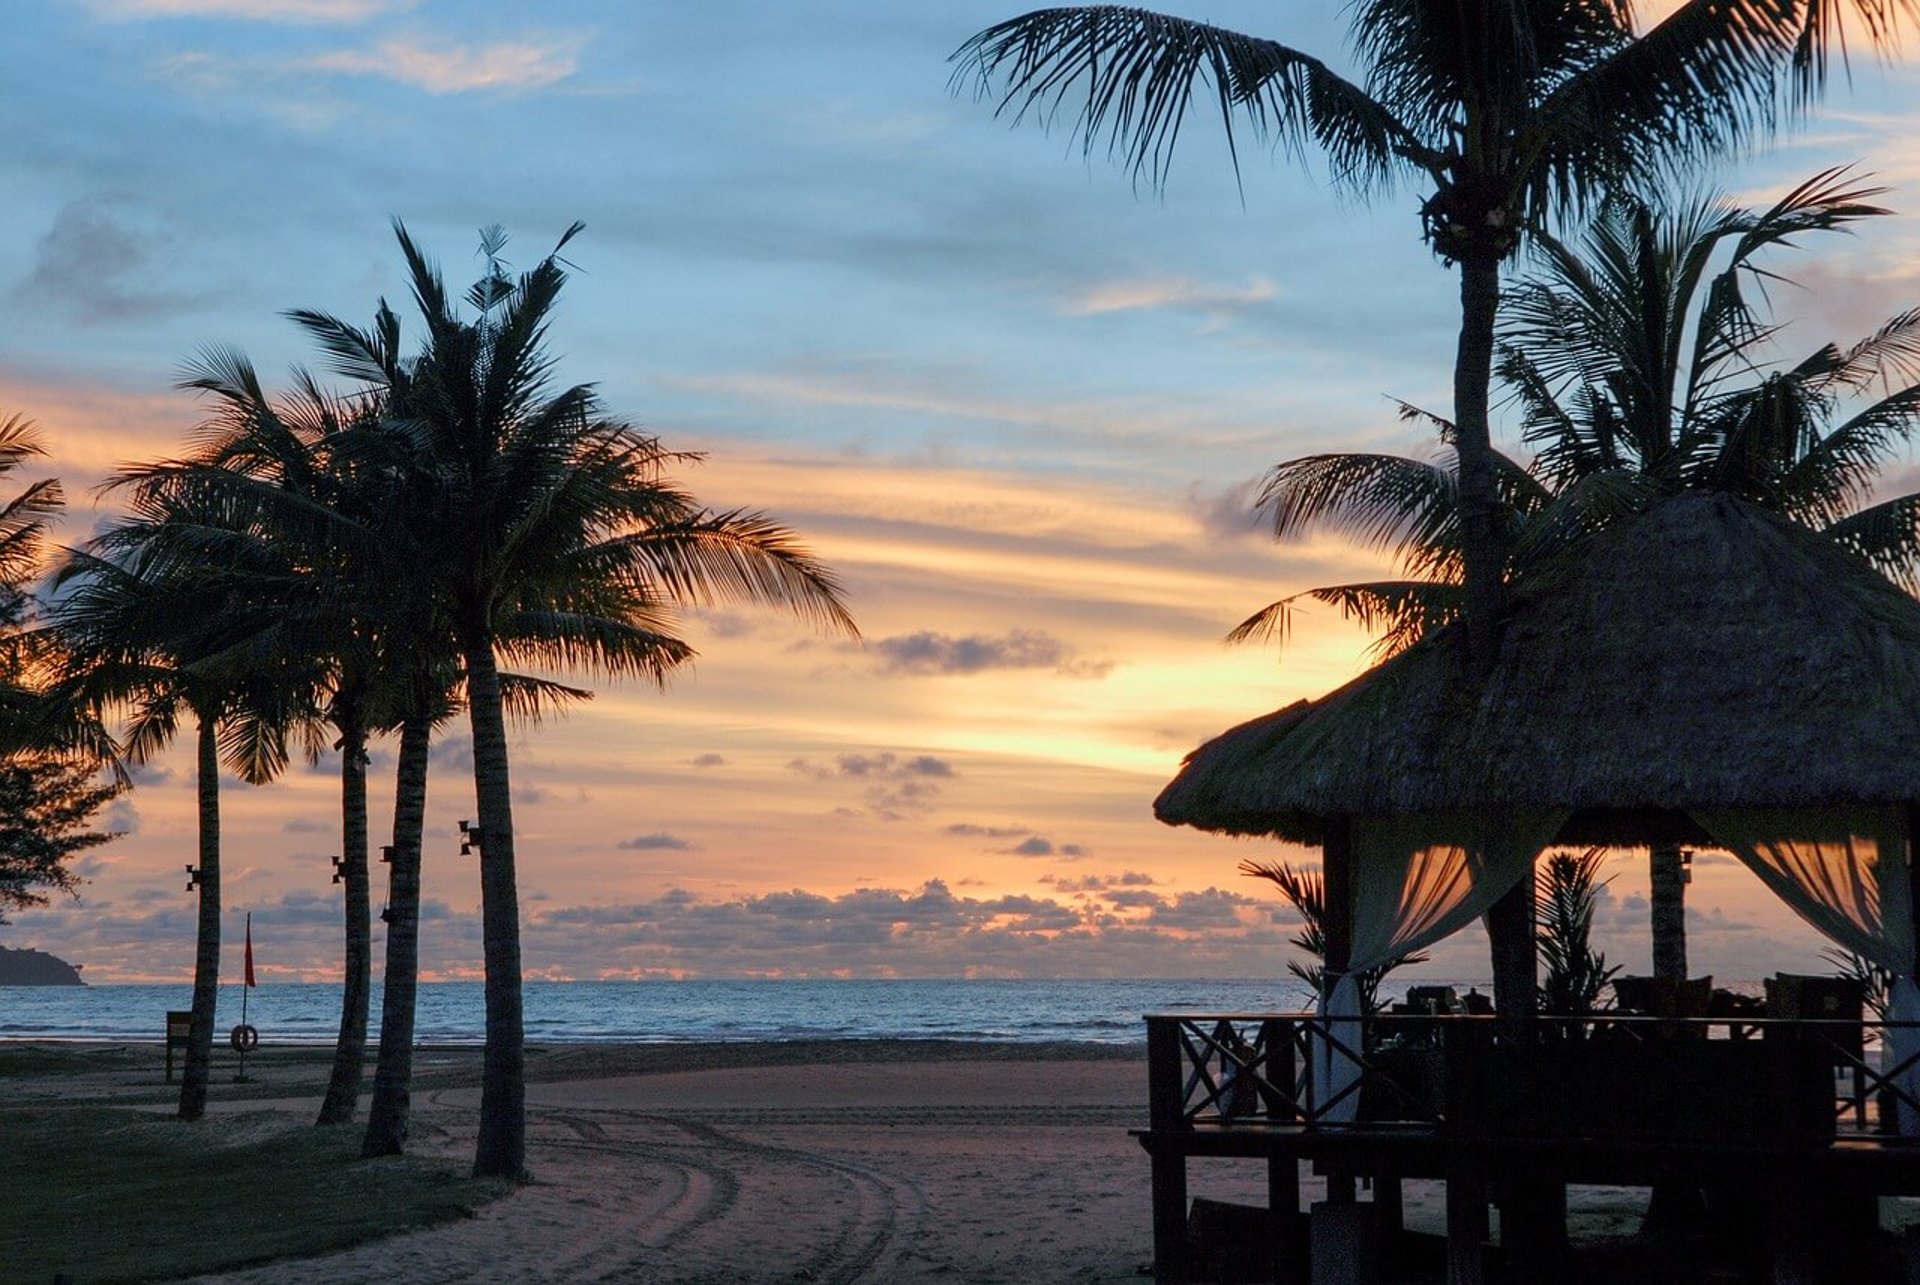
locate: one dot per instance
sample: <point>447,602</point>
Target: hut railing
<point>1679,1079</point>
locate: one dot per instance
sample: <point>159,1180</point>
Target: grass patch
<point>19,1060</point>
<point>110,1195</point>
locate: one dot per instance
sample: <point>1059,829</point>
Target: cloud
<point>1210,909</point>
<point>897,788</point>
<point>456,68</point>
<point>1168,293</point>
<point>103,261</point>
<point>928,652</point>
<point>306,825</point>
<point>1099,883</point>
<point>928,931</point>
<point>1229,513</point>
<point>454,754</point>
<point>279,11</point>
<point>658,841</point>
<point>967,829</point>
<point>151,774</point>
<point>709,760</point>
<point>121,817</point>
<point>1041,846</point>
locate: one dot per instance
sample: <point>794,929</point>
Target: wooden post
<point>1466,1227</point>
<point>1794,1259</point>
<point>1463,1075</point>
<point>1283,1213</point>
<point>1283,1171</point>
<point>1166,1115</point>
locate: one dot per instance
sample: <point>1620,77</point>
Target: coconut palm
<point>1639,362</point>
<point>1504,111</point>
<point>555,539</point>
<point>263,466</point>
<point>1634,368</point>
<point>332,490</point>
<point>1639,373</point>
<point>160,643</point>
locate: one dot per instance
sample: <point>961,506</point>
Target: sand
<point>810,1163</point>
<point>821,1162</point>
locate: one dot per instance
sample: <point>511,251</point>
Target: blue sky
<point>1018,400</point>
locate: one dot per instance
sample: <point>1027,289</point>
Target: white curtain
<point>1417,877</point>
<point>1846,872</point>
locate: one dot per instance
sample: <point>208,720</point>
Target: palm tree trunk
<point>350,1049</point>
<point>393,1075</point>
<point>1484,561</point>
<point>502,1148</point>
<point>1668,898</point>
<point>206,958</point>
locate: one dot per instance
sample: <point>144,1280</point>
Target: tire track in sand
<point>863,1243</point>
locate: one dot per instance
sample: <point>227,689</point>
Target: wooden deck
<point>1789,1113</point>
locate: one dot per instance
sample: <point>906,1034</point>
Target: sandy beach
<point>804,1161</point>
<point>720,1163</point>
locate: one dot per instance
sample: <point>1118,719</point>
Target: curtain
<point>1846,872</point>
<point>1417,877</point>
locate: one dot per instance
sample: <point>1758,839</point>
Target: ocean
<point>1106,1012</point>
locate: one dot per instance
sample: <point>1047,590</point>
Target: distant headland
<point>37,968</point>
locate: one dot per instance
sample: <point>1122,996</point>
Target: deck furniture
<point>1668,997</point>
<point>179,1027</point>
<point>1836,1004</point>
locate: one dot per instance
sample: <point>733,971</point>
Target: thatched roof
<point>1705,654</point>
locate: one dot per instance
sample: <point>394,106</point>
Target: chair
<point>1838,1000</point>
<point>1435,1000</point>
<point>1667,997</point>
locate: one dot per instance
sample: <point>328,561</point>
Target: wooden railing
<point>1720,1080</point>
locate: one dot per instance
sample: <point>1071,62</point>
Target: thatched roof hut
<point>1706,654</point>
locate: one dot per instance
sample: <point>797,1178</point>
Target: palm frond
<point>1401,612</point>
<point>1128,76</point>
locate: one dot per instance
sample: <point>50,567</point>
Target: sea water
<point>1106,1012</point>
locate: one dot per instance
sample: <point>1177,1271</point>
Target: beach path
<point>951,1171</point>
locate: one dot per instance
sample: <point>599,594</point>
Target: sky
<point>1018,401</point>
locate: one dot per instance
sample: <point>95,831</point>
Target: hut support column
<point>1336,866</point>
<point>1166,1106</point>
<point>1515,970</point>
<point>1467,1228</point>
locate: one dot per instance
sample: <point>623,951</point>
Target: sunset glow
<point>1019,406</point>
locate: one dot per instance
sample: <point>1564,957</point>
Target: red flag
<point>250,980</point>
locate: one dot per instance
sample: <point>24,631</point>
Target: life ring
<point>245,1039</point>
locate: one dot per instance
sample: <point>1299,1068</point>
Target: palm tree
<point>1506,111</point>
<point>1640,369</point>
<point>158,641</point>
<point>1639,363</point>
<point>256,450</point>
<point>555,539</point>
<point>1635,371</point>
<point>268,525</point>
<point>330,491</point>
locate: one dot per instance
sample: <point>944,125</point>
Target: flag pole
<point>246,984</point>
